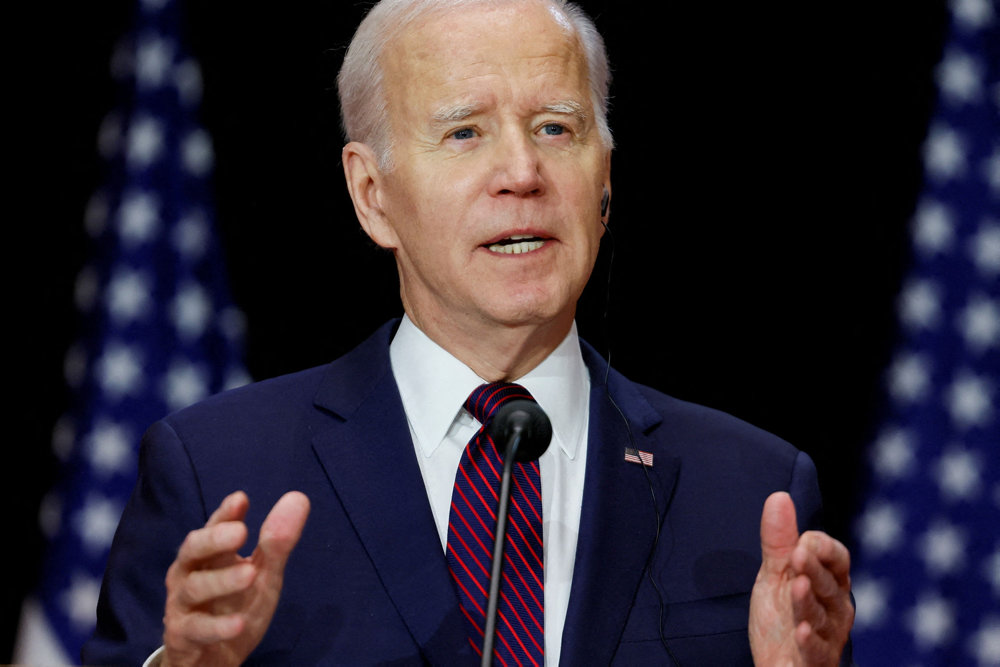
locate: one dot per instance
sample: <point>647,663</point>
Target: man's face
<point>493,204</point>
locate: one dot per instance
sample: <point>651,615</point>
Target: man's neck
<point>496,352</point>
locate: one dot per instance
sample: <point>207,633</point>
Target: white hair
<point>364,116</point>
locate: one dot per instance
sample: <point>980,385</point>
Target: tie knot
<point>486,399</point>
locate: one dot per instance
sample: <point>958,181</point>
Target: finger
<point>201,628</point>
<point>282,528</point>
<point>232,508</point>
<point>805,604</point>
<point>779,532</point>
<point>830,553</point>
<point>211,542</point>
<point>203,586</point>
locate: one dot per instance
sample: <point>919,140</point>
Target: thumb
<point>778,530</point>
<point>282,528</point>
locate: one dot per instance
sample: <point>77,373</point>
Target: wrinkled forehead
<point>456,43</point>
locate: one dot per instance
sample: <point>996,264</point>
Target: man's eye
<point>553,129</point>
<point>463,134</point>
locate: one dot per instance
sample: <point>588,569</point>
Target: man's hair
<point>364,116</point>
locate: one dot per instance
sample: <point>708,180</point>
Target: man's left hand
<point>800,609</point>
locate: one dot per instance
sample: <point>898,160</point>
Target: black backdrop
<point>767,163</point>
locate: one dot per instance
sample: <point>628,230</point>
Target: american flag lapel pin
<point>638,456</point>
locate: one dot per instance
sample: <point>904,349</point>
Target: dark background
<point>767,163</point>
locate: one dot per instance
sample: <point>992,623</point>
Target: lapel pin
<point>638,456</point>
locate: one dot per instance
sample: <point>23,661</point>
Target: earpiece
<point>605,200</point>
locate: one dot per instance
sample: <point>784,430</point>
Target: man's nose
<point>517,166</point>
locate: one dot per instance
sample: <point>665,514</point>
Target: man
<point>481,158</point>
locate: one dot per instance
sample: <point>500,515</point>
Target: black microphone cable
<point>633,449</point>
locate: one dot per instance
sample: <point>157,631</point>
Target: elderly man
<point>480,156</point>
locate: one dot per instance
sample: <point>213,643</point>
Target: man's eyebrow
<point>568,107</point>
<point>453,113</point>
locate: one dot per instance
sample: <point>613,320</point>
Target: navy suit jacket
<point>368,583</point>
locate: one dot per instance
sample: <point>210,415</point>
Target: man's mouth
<point>516,244</point>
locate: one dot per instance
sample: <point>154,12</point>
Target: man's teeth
<point>517,244</point>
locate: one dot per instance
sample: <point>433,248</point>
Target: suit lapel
<point>367,453</point>
<point>618,524</point>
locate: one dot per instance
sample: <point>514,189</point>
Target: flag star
<point>95,216</point>
<point>197,153</point>
<point>188,80</point>
<point>960,77</point>
<point>85,289</point>
<point>942,548</point>
<point>190,236</point>
<point>984,248</point>
<point>920,304</point>
<point>145,142</point>
<point>154,58</point>
<point>139,217</point>
<point>991,570</point>
<point>968,400</point>
<point>64,438</point>
<point>909,378</point>
<point>944,153</point>
<point>934,228</point>
<point>96,522</point>
<point>75,366</point>
<point>79,601</point>
<point>985,643</point>
<point>972,14</point>
<point>109,135</point>
<point>119,370</point>
<point>881,528</point>
<point>128,296</point>
<point>979,323</point>
<point>109,446</point>
<point>871,600</point>
<point>893,455</point>
<point>932,621</point>
<point>50,514</point>
<point>957,473</point>
<point>184,384</point>
<point>232,323</point>
<point>191,310</point>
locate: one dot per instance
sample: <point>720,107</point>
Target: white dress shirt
<point>434,385</point>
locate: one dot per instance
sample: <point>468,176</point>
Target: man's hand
<point>220,604</point>
<point>800,609</point>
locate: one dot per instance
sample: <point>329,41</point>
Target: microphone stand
<point>499,540</point>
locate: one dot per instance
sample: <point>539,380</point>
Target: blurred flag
<point>158,328</point>
<point>927,562</point>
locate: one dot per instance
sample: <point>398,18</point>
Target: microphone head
<point>532,422</point>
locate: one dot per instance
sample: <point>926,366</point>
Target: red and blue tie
<point>520,623</point>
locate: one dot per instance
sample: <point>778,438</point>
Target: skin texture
<point>800,609</point>
<point>493,136</point>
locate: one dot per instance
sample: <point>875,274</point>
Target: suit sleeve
<point>165,505</point>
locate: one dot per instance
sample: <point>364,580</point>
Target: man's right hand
<point>219,604</point>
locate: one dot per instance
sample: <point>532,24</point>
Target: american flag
<point>927,560</point>
<point>638,456</point>
<point>158,328</point>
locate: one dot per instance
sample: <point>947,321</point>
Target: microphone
<point>525,432</point>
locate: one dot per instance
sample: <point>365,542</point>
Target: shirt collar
<point>433,385</point>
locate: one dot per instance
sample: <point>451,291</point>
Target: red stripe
<point>517,637</point>
<point>489,531</point>
<point>528,631</point>
<point>458,537</point>
<point>478,495</point>
<point>509,585</point>
<point>473,579</point>
<point>487,550</point>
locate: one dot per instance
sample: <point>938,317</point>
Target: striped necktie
<point>520,623</point>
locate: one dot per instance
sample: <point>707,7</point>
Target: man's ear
<point>366,185</point>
